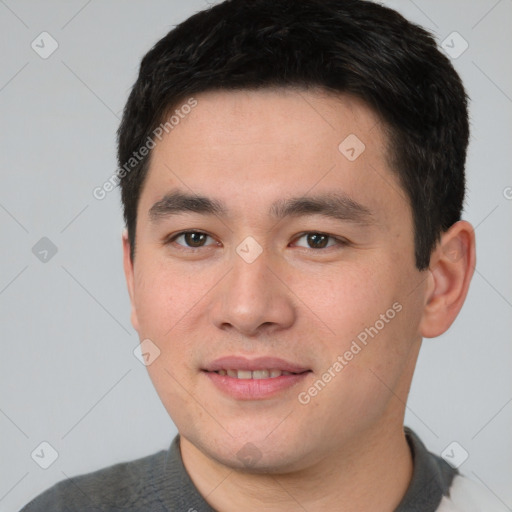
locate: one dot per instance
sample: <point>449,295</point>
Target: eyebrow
<point>338,206</point>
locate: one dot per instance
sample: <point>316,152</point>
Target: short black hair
<point>355,47</point>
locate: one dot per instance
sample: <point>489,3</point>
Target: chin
<point>258,463</point>
<point>252,454</point>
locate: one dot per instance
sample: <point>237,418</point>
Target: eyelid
<point>339,241</point>
<point>172,238</point>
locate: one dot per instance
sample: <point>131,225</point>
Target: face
<point>275,273</point>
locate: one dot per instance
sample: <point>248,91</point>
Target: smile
<point>255,374</point>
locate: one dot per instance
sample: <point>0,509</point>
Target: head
<point>296,193</point>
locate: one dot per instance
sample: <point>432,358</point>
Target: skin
<point>303,304</point>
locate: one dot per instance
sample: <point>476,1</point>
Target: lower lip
<point>254,389</point>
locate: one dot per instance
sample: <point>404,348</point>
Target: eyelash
<point>340,242</point>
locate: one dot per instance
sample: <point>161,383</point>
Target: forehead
<point>283,115</point>
<point>248,146</point>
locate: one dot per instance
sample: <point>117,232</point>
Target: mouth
<point>254,379</point>
<point>256,374</point>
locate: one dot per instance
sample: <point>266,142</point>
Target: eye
<point>314,240</point>
<point>191,239</point>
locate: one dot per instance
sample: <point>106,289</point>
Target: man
<point>292,177</point>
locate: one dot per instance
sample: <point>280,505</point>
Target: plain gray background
<point>68,373</point>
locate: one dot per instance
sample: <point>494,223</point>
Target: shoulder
<point>119,487</point>
<point>466,495</point>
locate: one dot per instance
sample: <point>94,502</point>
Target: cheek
<point>349,299</point>
<point>164,296</point>
<point>370,319</point>
<point>164,300</point>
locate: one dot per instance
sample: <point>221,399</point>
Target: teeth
<point>256,374</point>
<point>260,374</point>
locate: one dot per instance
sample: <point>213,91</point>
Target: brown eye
<point>317,241</point>
<point>195,239</point>
<point>314,240</point>
<point>192,239</point>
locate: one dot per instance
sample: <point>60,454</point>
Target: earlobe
<point>451,268</point>
<point>129,275</point>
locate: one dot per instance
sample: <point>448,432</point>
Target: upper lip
<point>258,363</point>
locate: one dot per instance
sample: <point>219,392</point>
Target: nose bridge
<point>251,295</point>
<point>250,285</point>
<point>251,276</point>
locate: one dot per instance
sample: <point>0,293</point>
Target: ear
<point>451,268</point>
<point>129,275</point>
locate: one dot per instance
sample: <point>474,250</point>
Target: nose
<point>253,298</point>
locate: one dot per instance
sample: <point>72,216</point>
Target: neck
<point>373,473</point>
